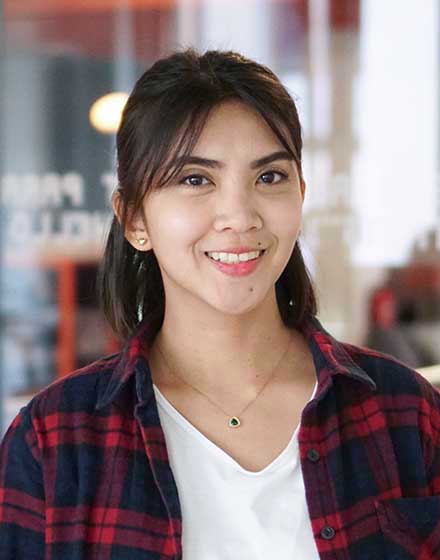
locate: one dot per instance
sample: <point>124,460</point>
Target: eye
<point>194,180</point>
<point>270,173</point>
<point>197,180</point>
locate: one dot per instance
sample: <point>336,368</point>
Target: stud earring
<point>141,241</point>
<point>291,303</point>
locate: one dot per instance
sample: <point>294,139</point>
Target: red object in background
<point>83,25</point>
<point>66,327</point>
<point>423,277</point>
<point>68,303</point>
<point>67,273</point>
<point>383,308</point>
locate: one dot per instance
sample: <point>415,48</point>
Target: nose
<point>236,210</point>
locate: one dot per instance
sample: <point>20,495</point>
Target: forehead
<point>233,126</point>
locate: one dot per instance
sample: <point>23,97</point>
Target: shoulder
<point>78,391</point>
<point>390,374</point>
<point>404,395</point>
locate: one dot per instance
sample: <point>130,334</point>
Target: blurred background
<point>365,77</point>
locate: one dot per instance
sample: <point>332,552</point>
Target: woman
<point>231,425</point>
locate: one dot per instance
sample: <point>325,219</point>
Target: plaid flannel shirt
<point>84,470</point>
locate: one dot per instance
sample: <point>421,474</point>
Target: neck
<point>218,356</point>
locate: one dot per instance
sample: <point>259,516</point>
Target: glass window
<point>365,77</point>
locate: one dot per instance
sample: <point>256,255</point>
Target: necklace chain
<point>234,421</point>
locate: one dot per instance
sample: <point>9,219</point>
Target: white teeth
<point>233,257</point>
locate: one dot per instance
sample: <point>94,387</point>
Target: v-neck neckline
<point>190,428</point>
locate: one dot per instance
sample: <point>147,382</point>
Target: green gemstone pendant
<point>234,422</point>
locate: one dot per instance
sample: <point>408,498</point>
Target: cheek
<point>287,220</point>
<point>177,225</point>
<point>188,223</point>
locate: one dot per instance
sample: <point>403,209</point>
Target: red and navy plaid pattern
<point>84,471</point>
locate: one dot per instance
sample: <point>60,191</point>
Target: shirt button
<point>313,455</point>
<point>327,533</point>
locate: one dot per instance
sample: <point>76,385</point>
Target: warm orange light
<point>105,113</point>
<point>29,8</point>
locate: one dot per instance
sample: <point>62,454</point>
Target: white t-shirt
<point>228,512</point>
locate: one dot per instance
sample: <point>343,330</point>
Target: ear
<point>135,229</point>
<point>302,187</point>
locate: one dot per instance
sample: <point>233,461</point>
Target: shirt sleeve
<point>429,426</point>
<point>22,503</point>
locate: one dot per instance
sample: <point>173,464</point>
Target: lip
<point>238,269</point>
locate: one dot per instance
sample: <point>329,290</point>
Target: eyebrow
<point>213,163</point>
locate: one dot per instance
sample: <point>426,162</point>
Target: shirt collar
<point>132,362</point>
<point>330,356</point>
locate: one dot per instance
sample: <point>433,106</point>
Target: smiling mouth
<point>262,251</point>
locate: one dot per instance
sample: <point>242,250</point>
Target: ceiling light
<point>105,113</point>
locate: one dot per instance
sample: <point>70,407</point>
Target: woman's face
<point>218,207</point>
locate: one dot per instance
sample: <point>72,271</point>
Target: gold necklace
<point>234,421</point>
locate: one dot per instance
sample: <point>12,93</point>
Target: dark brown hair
<point>163,119</point>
